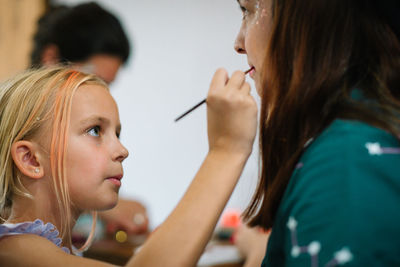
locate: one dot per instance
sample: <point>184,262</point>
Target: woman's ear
<point>26,157</point>
<point>50,55</point>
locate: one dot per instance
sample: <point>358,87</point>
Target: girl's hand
<point>231,114</point>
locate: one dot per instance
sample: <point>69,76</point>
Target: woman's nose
<point>239,43</point>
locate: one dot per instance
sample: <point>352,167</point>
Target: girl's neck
<point>40,207</point>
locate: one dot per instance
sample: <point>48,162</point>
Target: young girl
<point>328,73</point>
<point>61,155</point>
<point>90,38</point>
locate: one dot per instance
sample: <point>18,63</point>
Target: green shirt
<point>342,204</point>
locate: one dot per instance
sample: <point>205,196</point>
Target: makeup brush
<point>201,103</point>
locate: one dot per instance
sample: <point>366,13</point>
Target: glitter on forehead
<point>257,9</point>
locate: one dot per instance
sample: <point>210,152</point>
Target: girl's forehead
<point>92,94</point>
<point>93,98</point>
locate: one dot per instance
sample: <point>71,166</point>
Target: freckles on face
<point>257,37</point>
<point>254,35</point>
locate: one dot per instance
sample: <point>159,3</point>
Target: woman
<point>328,73</point>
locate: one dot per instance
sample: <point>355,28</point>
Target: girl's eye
<point>94,131</point>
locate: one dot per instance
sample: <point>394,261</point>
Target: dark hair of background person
<point>319,52</point>
<point>80,32</point>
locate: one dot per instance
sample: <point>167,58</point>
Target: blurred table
<point>109,250</point>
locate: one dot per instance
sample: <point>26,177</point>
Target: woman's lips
<point>252,72</point>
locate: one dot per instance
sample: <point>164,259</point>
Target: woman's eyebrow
<point>241,3</point>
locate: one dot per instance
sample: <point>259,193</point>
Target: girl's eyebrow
<point>100,120</point>
<point>93,119</point>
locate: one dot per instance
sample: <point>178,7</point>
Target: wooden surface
<point>109,250</point>
<point>18,19</point>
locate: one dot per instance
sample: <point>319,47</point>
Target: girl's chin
<point>109,206</point>
<point>106,204</point>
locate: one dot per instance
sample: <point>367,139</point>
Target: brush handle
<point>190,110</point>
<point>201,103</point>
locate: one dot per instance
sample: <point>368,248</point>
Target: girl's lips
<point>116,180</point>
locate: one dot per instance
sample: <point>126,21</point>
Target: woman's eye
<point>94,131</point>
<point>245,12</point>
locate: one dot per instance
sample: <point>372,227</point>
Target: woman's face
<point>254,34</point>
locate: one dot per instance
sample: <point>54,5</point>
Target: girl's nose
<point>122,153</point>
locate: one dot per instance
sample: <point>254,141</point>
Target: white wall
<point>177,46</point>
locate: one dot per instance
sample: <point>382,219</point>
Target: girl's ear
<point>26,157</point>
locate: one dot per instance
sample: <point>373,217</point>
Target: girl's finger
<point>219,79</point>
<point>237,79</point>
<point>246,88</point>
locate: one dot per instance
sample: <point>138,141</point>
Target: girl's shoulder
<point>37,227</point>
<point>36,244</point>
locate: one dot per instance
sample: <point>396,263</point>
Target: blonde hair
<point>27,101</point>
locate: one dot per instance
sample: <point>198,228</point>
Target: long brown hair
<point>319,52</point>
